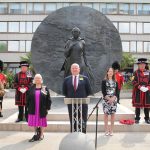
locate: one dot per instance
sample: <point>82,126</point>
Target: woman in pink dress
<point>38,104</point>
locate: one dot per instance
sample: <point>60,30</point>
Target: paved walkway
<point>119,141</point>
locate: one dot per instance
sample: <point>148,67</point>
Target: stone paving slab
<point>119,141</point>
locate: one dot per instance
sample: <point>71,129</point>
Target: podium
<point>77,120</point>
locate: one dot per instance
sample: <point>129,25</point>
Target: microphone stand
<point>96,107</point>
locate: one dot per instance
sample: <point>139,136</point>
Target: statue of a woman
<point>75,53</point>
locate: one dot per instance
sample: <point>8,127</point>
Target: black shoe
<point>137,121</point>
<point>147,121</point>
<point>1,115</point>
<point>18,120</point>
<point>34,138</point>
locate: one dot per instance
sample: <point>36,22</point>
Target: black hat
<point>24,63</point>
<point>1,65</point>
<point>116,65</point>
<point>142,61</point>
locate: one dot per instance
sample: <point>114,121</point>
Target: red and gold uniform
<point>141,99</point>
<point>2,84</point>
<point>22,80</point>
<point>22,83</point>
<point>141,90</point>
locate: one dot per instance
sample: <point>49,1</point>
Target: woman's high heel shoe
<point>34,138</point>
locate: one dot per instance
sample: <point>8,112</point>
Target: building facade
<point>20,18</point>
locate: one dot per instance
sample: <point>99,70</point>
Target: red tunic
<point>139,98</point>
<point>2,78</point>
<point>21,81</point>
<point>120,79</point>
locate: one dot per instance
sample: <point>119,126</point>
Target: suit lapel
<point>79,82</point>
<point>71,82</point>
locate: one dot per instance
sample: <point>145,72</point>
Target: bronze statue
<point>75,53</point>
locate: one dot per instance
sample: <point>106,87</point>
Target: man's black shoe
<point>137,121</point>
<point>18,120</point>
<point>147,121</point>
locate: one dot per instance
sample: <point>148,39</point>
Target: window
<point>146,46</point>
<point>3,46</point>
<point>146,27</point>
<point>76,4</point>
<point>116,25</point>
<point>139,28</point>
<point>132,27</point>
<point>132,10</point>
<point>112,8</point>
<point>29,8</point>
<point>139,9</point>
<point>13,46</point>
<point>66,4</point>
<point>125,46</point>
<point>3,26</point>
<point>146,9</point>
<point>133,46</point>
<point>28,46</point>
<point>96,6</point>
<point>123,8</point>
<point>103,8</point>
<point>59,5</point>
<point>3,8</point>
<point>38,8</point>
<point>22,46</point>
<point>22,27</point>
<point>13,27</point>
<point>87,5</point>
<point>17,8</point>
<point>35,25</point>
<point>49,7</point>
<point>29,27</point>
<point>124,27</point>
<point>139,47</point>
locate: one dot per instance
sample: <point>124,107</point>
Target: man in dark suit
<point>77,86</point>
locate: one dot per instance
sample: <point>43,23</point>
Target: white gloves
<point>144,89</point>
<point>23,90</point>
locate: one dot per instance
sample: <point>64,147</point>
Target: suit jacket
<point>83,90</point>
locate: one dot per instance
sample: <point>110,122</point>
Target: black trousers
<point>84,117</point>
<point>1,101</point>
<point>118,96</point>
<point>21,113</point>
<point>137,113</point>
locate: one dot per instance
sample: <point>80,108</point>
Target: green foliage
<point>3,47</point>
<point>128,85</point>
<point>28,59</point>
<point>10,79</point>
<point>127,61</point>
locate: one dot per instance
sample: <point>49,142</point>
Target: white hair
<point>75,64</point>
<point>38,75</point>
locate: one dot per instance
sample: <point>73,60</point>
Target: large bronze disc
<point>102,44</point>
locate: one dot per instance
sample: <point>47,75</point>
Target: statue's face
<point>75,70</point>
<point>75,34</point>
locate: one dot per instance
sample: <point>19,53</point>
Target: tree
<point>127,61</point>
